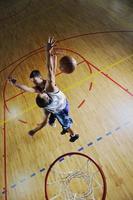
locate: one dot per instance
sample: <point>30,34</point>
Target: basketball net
<point>75,176</point>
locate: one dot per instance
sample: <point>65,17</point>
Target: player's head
<point>42,100</point>
<point>35,76</point>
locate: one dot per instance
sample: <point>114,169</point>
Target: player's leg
<point>52,119</point>
<point>66,122</point>
<point>73,135</point>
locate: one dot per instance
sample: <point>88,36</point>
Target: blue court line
<point>41,170</point>
<point>99,138</point>
<point>13,186</point>
<point>81,149</point>
<point>61,159</point>
<point>32,174</point>
<point>109,133</point>
<point>90,144</point>
<point>117,128</point>
<point>24,179</point>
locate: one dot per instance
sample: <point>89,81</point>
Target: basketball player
<point>52,100</point>
<point>36,78</point>
<point>39,87</point>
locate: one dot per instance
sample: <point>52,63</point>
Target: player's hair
<point>41,102</point>
<point>35,73</point>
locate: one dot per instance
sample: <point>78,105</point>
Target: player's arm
<point>40,125</point>
<point>21,86</point>
<point>51,61</point>
<point>55,62</point>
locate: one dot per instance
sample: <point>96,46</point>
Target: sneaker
<point>53,125</point>
<point>64,132</point>
<point>74,138</point>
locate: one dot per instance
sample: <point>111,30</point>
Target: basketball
<point>67,64</point>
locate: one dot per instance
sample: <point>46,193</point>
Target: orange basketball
<point>67,64</point>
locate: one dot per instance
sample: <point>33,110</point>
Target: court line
<point>90,88</point>
<point>68,38</point>
<point>96,33</point>
<point>4,108</point>
<point>21,93</point>
<point>25,111</point>
<point>84,80</point>
<point>104,68</point>
<point>82,102</point>
<point>22,121</point>
<point>10,98</point>
<point>81,148</point>
<point>118,62</point>
<point>5,153</point>
<point>22,62</point>
<point>5,138</point>
<point>114,64</point>
<point>89,67</point>
<point>84,60</point>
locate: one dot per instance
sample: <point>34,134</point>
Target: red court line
<point>5,106</point>
<point>14,62</point>
<point>22,121</point>
<point>5,153</point>
<point>12,72</point>
<point>28,55</point>
<point>62,72</point>
<point>111,79</point>
<point>84,60</point>
<point>78,54</point>
<point>79,106</point>
<point>58,73</point>
<point>118,84</point>
<point>24,92</point>
<point>72,37</point>
<point>80,62</point>
<point>96,33</point>
<point>88,64</point>
<point>90,86</point>
<point>14,96</point>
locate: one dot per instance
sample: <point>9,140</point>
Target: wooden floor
<point>100,91</point>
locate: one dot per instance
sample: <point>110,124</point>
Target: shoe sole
<point>74,139</point>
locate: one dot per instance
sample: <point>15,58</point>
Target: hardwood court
<point>99,35</point>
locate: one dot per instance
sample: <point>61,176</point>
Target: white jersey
<point>58,102</point>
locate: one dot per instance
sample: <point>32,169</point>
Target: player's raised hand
<point>50,45</point>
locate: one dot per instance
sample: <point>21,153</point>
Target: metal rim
<point>80,154</point>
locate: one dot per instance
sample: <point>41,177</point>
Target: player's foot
<point>64,132</point>
<point>31,132</point>
<point>53,124</point>
<point>73,138</point>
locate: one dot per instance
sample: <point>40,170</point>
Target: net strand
<point>90,175</point>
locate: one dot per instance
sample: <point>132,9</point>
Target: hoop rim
<point>80,154</point>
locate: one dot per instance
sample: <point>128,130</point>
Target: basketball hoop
<point>75,176</point>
